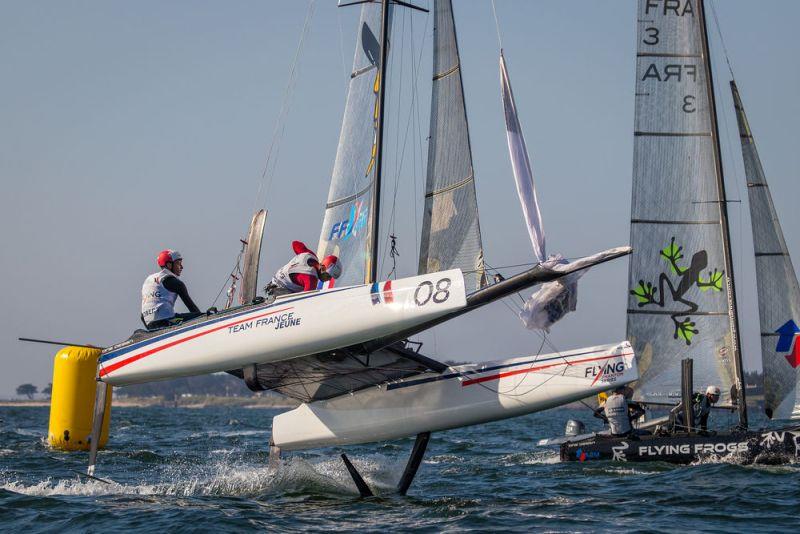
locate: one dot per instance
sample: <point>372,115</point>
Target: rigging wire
<point>497,26</point>
<point>417,129</point>
<point>413,106</point>
<point>228,277</point>
<point>345,73</point>
<point>729,145</point>
<point>280,124</point>
<point>397,160</point>
<point>721,39</point>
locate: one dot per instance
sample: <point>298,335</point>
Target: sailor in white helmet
<point>160,291</point>
<point>303,272</point>
<point>701,408</point>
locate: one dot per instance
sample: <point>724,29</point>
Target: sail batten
<point>778,291</point>
<point>679,302</point>
<point>451,236</point>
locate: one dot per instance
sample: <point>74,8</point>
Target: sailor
<point>618,411</point>
<point>303,272</point>
<point>161,289</point>
<point>701,408</point>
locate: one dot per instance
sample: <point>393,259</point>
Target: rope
<point>280,123</point>
<point>414,106</point>
<point>497,27</point>
<point>231,274</point>
<point>721,39</point>
<point>728,143</point>
<point>394,253</point>
<point>345,73</point>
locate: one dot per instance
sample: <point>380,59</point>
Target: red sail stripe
<point>106,369</point>
<point>538,368</point>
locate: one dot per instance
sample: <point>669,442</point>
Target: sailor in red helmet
<point>160,291</point>
<point>303,272</point>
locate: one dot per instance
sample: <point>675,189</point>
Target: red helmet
<point>166,256</point>
<point>300,248</point>
<point>332,266</point>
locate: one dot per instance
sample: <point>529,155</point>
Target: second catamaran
<point>682,299</point>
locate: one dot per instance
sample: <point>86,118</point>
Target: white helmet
<point>712,390</point>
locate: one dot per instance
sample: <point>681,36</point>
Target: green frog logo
<point>647,294</point>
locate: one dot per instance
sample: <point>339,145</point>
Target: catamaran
<point>682,300</point>
<point>344,351</point>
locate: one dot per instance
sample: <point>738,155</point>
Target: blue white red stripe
<point>381,292</point>
<point>177,336</point>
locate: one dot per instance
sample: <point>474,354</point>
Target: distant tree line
<point>218,385</point>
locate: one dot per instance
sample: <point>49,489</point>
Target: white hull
<point>292,326</point>
<point>465,395</point>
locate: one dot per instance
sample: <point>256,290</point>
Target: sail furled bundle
<point>451,234</point>
<point>347,225</point>
<point>778,291</point>
<point>679,299</point>
<point>553,300</point>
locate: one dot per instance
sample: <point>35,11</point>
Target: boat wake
<point>227,477</point>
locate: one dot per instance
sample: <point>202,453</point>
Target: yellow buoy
<point>72,400</point>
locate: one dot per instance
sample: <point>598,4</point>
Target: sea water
<point>185,469</point>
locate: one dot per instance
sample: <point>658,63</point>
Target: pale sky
<point>129,127</point>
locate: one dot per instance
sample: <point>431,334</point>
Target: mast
<point>376,190</point>
<point>726,237</point>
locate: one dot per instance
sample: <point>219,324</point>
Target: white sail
<point>520,162</point>
<point>778,291</point>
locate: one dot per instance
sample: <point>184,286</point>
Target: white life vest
<point>297,265</point>
<point>157,301</point>
<point>616,409</point>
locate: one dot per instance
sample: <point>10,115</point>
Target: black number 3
<point>651,39</point>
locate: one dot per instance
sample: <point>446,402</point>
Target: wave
<point>226,477</point>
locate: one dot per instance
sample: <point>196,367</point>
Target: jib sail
<point>778,292</point>
<point>451,233</point>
